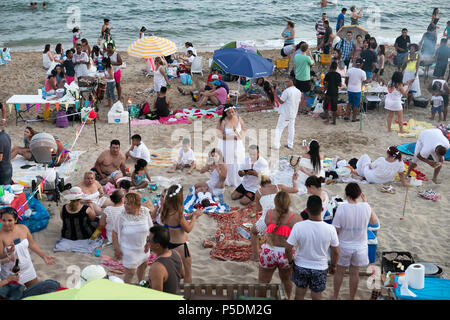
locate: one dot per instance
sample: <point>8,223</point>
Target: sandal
<point>388,189</point>
<point>430,195</point>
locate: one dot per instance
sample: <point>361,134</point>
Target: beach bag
<point>185,79</point>
<point>61,119</point>
<point>135,111</point>
<point>145,109</point>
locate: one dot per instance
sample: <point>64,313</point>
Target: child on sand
<point>140,177</point>
<point>76,36</point>
<point>186,158</point>
<point>436,103</point>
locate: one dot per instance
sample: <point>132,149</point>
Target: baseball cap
<point>216,82</point>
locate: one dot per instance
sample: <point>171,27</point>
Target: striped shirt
<point>320,27</point>
<point>346,48</point>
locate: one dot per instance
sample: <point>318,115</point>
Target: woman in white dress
<point>15,243</point>
<point>264,201</point>
<point>159,76</point>
<point>393,100</point>
<point>130,236</point>
<point>314,187</point>
<point>218,173</point>
<point>231,135</point>
<point>311,163</point>
<point>382,170</point>
<point>47,57</point>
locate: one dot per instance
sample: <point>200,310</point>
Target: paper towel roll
<point>415,276</point>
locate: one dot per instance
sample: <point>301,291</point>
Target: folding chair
<point>281,64</point>
<point>197,66</point>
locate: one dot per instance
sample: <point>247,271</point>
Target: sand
<point>424,231</point>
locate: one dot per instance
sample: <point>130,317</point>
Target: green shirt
<point>303,65</point>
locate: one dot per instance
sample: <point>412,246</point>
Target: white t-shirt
<point>287,50</point>
<point>314,239</point>
<point>383,171</point>
<point>141,152</point>
<point>191,59</point>
<point>187,157</point>
<point>437,101</point>
<point>81,70</point>
<point>249,182</point>
<point>352,219</point>
<point>111,213</point>
<point>192,49</point>
<point>428,141</point>
<point>356,76</point>
<point>291,97</point>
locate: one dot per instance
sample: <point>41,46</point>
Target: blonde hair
<point>88,173</point>
<point>265,179</point>
<point>172,203</point>
<point>282,203</point>
<point>133,199</point>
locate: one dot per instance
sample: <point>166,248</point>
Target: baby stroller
<point>52,188</point>
<point>91,89</point>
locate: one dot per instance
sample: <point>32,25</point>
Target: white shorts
<point>355,257</point>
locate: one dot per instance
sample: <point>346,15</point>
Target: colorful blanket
<point>192,199</point>
<point>172,119</point>
<point>413,128</point>
<point>408,148</point>
<point>116,267</point>
<point>195,113</point>
<point>166,157</point>
<point>25,176</point>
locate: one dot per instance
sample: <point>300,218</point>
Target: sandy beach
<point>424,232</point>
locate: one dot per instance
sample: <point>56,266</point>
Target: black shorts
<point>248,194</point>
<point>381,72</point>
<point>326,49</point>
<point>303,86</point>
<point>333,100</point>
<point>282,53</point>
<point>445,97</point>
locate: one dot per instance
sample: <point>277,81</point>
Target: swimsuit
<point>139,178</point>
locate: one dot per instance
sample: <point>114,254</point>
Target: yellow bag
<point>47,113</point>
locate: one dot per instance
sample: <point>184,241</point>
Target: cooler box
<point>118,117</point>
<point>372,243</point>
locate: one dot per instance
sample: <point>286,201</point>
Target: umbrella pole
<point>238,90</point>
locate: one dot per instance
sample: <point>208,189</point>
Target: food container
<point>59,93</point>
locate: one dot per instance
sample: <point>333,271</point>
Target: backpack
<point>61,119</point>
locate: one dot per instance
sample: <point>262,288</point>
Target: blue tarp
<point>408,148</point>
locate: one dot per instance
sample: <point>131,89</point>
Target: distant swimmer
<point>324,3</point>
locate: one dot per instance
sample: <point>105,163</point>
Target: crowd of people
<point>107,198</point>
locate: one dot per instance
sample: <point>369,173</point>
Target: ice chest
<point>372,243</point>
<point>118,117</point>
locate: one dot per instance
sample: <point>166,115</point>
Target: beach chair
<point>197,66</point>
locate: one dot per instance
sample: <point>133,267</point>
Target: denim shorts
<point>110,86</point>
<point>368,74</point>
<point>303,278</point>
<point>354,98</point>
<point>436,109</point>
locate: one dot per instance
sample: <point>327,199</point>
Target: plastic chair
<point>197,65</point>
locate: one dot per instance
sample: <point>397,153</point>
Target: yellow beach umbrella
<point>151,47</point>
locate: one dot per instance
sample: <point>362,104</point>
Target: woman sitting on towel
<point>254,91</point>
<point>218,173</point>
<point>382,170</point>
<point>79,220</point>
<point>265,101</point>
<point>15,243</point>
<point>172,217</point>
<point>310,164</point>
<point>24,151</point>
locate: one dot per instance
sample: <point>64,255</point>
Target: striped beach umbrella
<point>150,47</point>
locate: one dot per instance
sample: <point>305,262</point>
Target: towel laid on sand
<point>195,113</point>
<point>166,157</point>
<point>408,148</point>
<point>413,128</point>
<point>192,199</point>
<point>172,119</point>
<point>37,169</point>
<point>80,246</point>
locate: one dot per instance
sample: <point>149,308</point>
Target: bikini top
<point>282,230</point>
<point>173,227</point>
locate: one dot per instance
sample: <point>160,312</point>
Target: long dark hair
<point>58,48</point>
<point>395,153</point>
<point>140,164</point>
<point>381,50</point>
<point>106,62</point>
<point>397,79</point>
<point>268,90</point>
<point>314,153</point>
<point>46,48</point>
<point>224,113</point>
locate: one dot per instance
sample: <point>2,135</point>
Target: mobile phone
<point>304,142</point>
<point>16,241</point>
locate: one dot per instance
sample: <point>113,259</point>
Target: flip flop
<point>388,189</point>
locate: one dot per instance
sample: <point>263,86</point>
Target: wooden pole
<point>404,205</point>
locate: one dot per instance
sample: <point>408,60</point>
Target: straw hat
<point>75,193</point>
<point>91,273</point>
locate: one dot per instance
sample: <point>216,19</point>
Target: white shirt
<point>428,141</point>
<point>81,70</point>
<point>383,171</point>
<point>111,214</point>
<point>287,50</point>
<point>141,152</point>
<point>191,59</point>
<point>192,49</point>
<point>314,239</point>
<point>356,76</point>
<point>352,219</point>
<point>250,182</point>
<point>437,101</point>
<point>186,156</point>
<point>291,97</point>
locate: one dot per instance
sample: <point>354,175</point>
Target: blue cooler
<point>372,243</point>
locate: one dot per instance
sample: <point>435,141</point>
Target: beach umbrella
<point>104,289</point>
<point>151,47</point>
<point>233,44</point>
<point>353,28</point>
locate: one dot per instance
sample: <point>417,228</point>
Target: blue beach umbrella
<point>243,62</point>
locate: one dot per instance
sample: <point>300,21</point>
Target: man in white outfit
<point>289,103</point>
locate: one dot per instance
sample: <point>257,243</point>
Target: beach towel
<point>25,176</point>
<point>116,267</point>
<point>229,243</point>
<point>408,148</point>
<point>195,113</point>
<point>172,119</point>
<point>192,199</point>
<point>81,246</point>
<point>413,128</point>
<point>166,157</point>
<point>5,56</point>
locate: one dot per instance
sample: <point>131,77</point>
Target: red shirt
<point>210,77</point>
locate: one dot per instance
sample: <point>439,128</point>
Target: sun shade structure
<point>355,29</point>
<point>242,62</point>
<point>107,290</point>
<point>151,47</point>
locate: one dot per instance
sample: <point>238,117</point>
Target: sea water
<point>207,24</point>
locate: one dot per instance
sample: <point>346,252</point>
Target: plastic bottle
<point>96,232</point>
<point>322,77</point>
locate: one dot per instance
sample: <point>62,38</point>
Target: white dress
<point>307,164</point>
<point>132,232</point>
<point>27,272</point>
<point>234,155</point>
<point>111,214</point>
<point>46,62</point>
<point>267,203</point>
<point>158,80</point>
<point>393,101</point>
<point>212,183</point>
<point>382,171</point>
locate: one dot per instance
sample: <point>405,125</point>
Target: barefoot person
<point>109,161</point>
<point>138,150</point>
<point>93,194</point>
<point>218,173</point>
<point>431,142</point>
<point>393,100</point>
<point>332,83</point>
<point>186,158</point>
<point>279,223</point>
<point>351,221</point>
<point>24,151</point>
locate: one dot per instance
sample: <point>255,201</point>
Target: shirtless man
<point>93,194</point>
<point>108,162</point>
